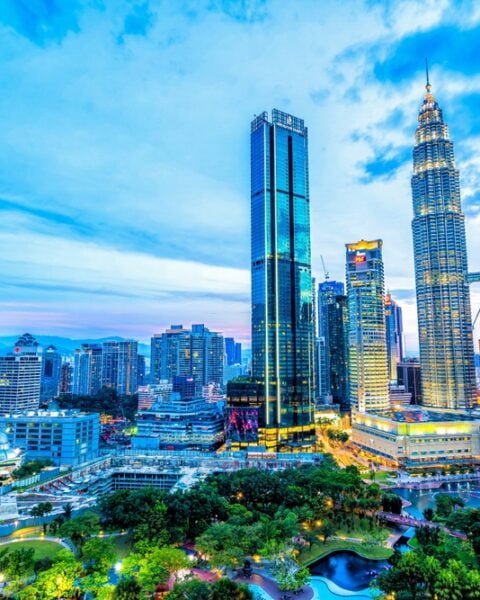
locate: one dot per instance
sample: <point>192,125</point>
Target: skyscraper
<point>337,319</point>
<point>367,339</point>
<point>196,352</point>
<point>394,332</point>
<point>20,376</point>
<point>51,372</point>
<point>282,294</point>
<point>87,370</point>
<point>440,254</point>
<point>119,366</point>
<point>327,293</point>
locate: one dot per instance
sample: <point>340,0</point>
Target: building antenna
<point>428,86</point>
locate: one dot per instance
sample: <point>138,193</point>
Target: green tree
<point>98,555</point>
<point>41,509</point>
<point>226,588</point>
<point>326,530</point>
<point>17,563</point>
<point>128,589</point>
<point>60,581</point>
<point>193,589</point>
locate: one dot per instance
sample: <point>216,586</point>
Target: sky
<point>124,148</point>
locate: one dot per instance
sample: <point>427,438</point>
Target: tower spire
<point>427,86</point>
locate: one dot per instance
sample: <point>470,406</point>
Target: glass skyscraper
<point>440,253</point>
<point>333,346</point>
<point>283,331</point>
<point>394,332</point>
<point>367,337</point>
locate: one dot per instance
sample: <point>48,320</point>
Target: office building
<point>196,352</point>
<point>148,395</point>
<point>20,376</point>
<point>51,373</point>
<point>87,370</point>
<point>367,338</point>
<point>233,352</point>
<point>333,344</point>
<point>141,370</point>
<point>440,255</point>
<point>66,378</point>
<point>156,358</point>
<point>119,366</point>
<point>394,333</point>
<point>409,375</point>
<point>67,437</point>
<point>283,331</point>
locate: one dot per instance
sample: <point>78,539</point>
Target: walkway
<point>409,521</point>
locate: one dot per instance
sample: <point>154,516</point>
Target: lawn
<point>319,550</point>
<point>43,549</point>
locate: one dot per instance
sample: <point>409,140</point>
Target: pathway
<point>410,521</point>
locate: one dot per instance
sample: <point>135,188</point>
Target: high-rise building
<point>156,358</point>
<point>394,333</point>
<point>283,331</point>
<point>409,375</point>
<point>196,352</point>
<point>119,366</point>
<point>230,351</point>
<point>337,318</point>
<point>66,378</point>
<point>141,370</point>
<point>440,254</point>
<point>328,291</point>
<point>51,372</point>
<point>87,370</point>
<point>367,339</point>
<point>20,376</point>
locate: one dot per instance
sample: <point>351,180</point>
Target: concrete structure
<point>20,376</point>
<point>67,437</point>
<point>419,439</point>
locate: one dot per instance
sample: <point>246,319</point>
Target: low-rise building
<point>417,439</point>
<point>67,437</point>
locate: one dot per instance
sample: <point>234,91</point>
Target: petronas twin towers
<point>441,272</point>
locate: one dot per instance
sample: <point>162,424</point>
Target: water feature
<point>259,593</point>
<point>422,499</point>
<point>326,590</point>
<point>348,570</point>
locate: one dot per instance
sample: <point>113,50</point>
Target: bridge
<point>409,521</point>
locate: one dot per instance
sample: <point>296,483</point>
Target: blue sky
<point>124,148</point>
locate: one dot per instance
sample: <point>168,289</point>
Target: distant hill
<point>63,344</point>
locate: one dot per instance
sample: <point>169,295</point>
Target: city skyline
<point>82,196</point>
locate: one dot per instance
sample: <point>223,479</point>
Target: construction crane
<point>325,272</point>
<point>476,319</point>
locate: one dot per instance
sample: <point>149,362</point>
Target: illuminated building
<point>368,376</point>
<point>418,439</point>
<point>283,331</point>
<point>440,253</point>
<point>394,336</point>
<point>20,376</point>
<point>409,375</point>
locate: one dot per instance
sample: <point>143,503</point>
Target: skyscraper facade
<point>337,319</point>
<point>327,293</point>
<point>51,373</point>
<point>394,333</point>
<point>282,294</point>
<point>440,254</point>
<point>196,352</point>
<point>367,337</point>
<point>20,376</point>
<point>119,366</point>
<point>87,370</point>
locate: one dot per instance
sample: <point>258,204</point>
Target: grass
<point>317,551</point>
<point>43,549</point>
<point>377,534</point>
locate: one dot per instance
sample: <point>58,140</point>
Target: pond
<point>422,499</point>
<point>348,570</point>
<point>326,590</point>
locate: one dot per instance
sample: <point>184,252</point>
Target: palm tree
<point>67,510</point>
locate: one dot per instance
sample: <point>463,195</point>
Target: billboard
<point>243,424</point>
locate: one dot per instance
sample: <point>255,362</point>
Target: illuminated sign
<point>360,258</point>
